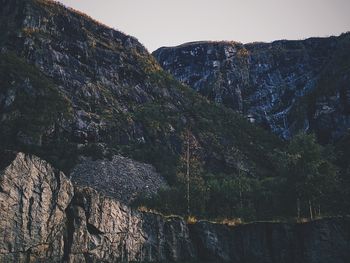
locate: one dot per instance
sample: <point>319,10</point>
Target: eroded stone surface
<point>33,200</point>
<point>106,230</point>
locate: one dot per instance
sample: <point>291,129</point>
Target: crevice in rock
<point>27,256</point>
<point>68,238</point>
<point>29,223</point>
<point>93,230</point>
<point>55,193</point>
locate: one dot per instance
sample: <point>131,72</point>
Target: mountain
<point>94,134</point>
<point>285,86</point>
<point>71,86</point>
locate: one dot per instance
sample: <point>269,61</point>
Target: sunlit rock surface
<point>33,202</point>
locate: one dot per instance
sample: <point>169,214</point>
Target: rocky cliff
<point>33,202</point>
<point>43,219</point>
<point>285,86</point>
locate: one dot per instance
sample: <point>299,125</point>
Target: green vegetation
<point>305,184</point>
<point>33,106</point>
<point>33,103</point>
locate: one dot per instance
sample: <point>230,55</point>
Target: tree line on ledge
<point>311,181</point>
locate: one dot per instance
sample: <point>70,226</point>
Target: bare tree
<point>188,170</point>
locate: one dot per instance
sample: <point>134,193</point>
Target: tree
<point>190,173</point>
<point>309,173</point>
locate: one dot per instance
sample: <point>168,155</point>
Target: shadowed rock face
<point>286,86</point>
<point>320,241</point>
<point>44,220</point>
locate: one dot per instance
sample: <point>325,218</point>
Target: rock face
<point>40,222</point>
<point>320,241</point>
<point>120,177</point>
<point>44,220</point>
<point>33,200</point>
<point>103,230</point>
<point>286,86</point>
<point>100,70</point>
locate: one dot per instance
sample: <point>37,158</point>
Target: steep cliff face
<point>33,202</point>
<point>104,230</point>
<point>43,219</point>
<point>286,86</point>
<point>320,241</point>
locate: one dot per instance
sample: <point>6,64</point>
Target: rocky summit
<point>285,86</point>
<point>45,219</point>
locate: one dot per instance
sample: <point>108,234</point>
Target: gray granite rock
<point>33,200</point>
<point>104,230</point>
<point>286,86</point>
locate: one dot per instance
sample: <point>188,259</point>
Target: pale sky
<point>157,23</point>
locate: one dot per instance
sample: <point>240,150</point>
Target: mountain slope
<point>117,98</point>
<point>280,85</point>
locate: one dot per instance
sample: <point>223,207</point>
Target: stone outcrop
<point>120,177</point>
<point>40,222</point>
<point>44,220</point>
<point>285,86</point>
<point>33,202</point>
<point>104,230</point>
